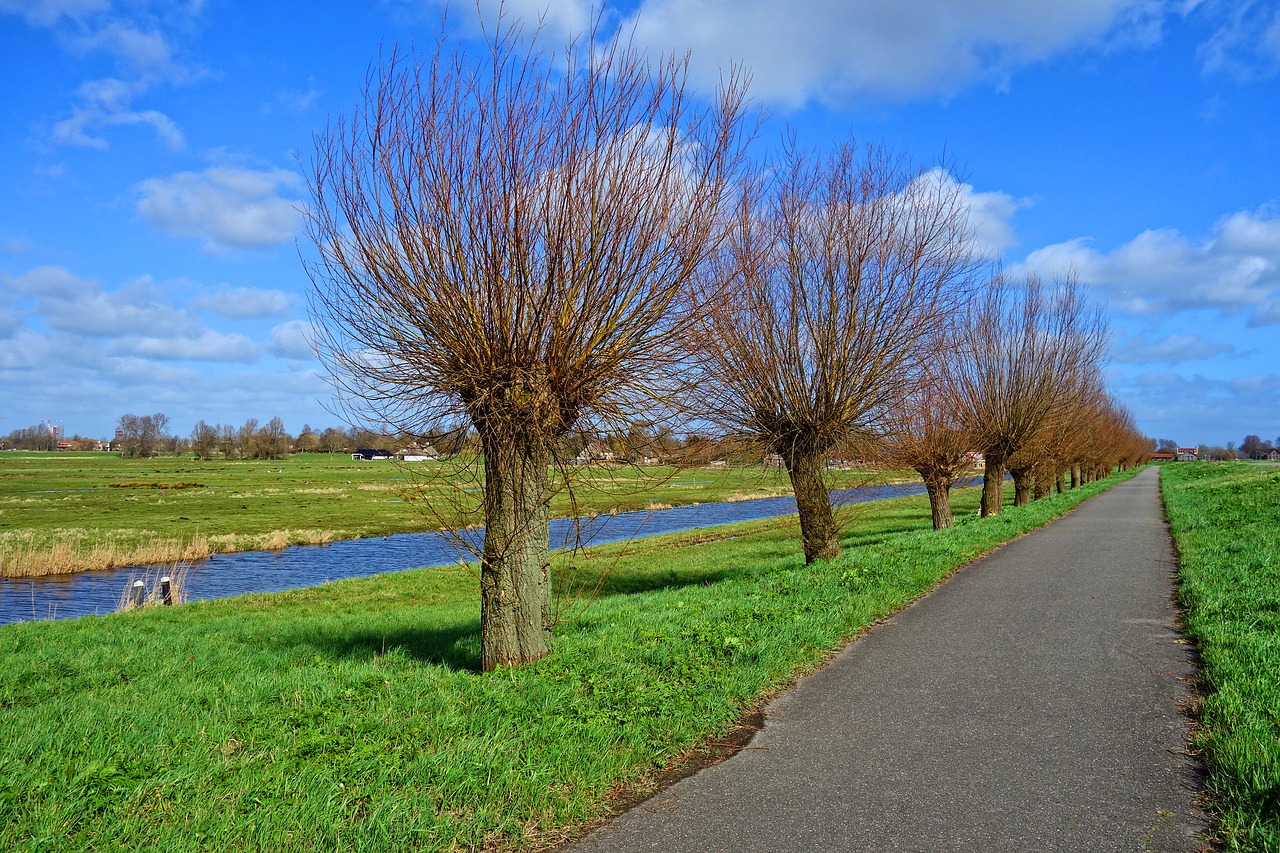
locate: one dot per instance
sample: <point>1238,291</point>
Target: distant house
<point>595,452</point>
<point>1273,456</point>
<point>366,454</point>
<point>773,460</point>
<point>417,454</point>
<point>1188,454</point>
<point>1163,457</point>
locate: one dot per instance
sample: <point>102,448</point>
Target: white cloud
<point>242,303</point>
<point>832,50</point>
<point>108,103</point>
<point>1197,409</point>
<point>990,213</point>
<point>67,303</point>
<point>1236,268</point>
<point>1170,349</point>
<point>1246,41</point>
<point>228,207</point>
<point>291,340</point>
<point>205,346</point>
<point>48,13</point>
<point>134,35</point>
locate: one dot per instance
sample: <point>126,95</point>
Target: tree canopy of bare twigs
<point>1028,352</point>
<point>507,242</point>
<point>839,268</point>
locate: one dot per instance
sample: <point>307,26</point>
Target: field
<point>63,512</point>
<point>352,715</point>
<point>1225,518</point>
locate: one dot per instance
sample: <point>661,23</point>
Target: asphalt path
<point>1033,702</point>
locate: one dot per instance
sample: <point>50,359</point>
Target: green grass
<point>351,715</point>
<point>66,511</point>
<point>1226,522</point>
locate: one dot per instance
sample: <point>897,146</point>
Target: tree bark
<point>1043,486</point>
<point>1061,483</point>
<point>817,522</point>
<point>515,577</point>
<point>1022,480</point>
<point>939,488</point>
<point>992,484</point>
<point>1075,477</point>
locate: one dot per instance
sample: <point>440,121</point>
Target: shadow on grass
<point>456,646</point>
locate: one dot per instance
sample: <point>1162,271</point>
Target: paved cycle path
<point>1030,703</point>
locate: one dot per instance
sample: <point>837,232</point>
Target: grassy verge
<point>351,715</point>
<point>65,512</point>
<point>1226,522</point>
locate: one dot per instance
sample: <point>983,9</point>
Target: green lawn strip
<point>88,499</point>
<point>1225,519</point>
<point>351,716</point>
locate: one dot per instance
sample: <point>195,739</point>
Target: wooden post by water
<point>166,590</point>
<point>139,590</point>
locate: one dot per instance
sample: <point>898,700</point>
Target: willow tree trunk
<point>817,522</point>
<point>1043,486</point>
<point>515,576</point>
<point>939,488</point>
<point>1061,483</point>
<point>1022,482</point>
<point>992,484</point>
<point>1075,477</point>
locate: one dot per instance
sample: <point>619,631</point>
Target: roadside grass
<point>352,715</point>
<point>67,512</point>
<point>1225,519</point>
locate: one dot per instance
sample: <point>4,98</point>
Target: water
<point>86,593</point>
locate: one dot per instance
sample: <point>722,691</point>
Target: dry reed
<point>68,550</point>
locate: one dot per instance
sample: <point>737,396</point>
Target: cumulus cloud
<point>228,207</point>
<point>1170,349</point>
<point>204,346</point>
<point>832,50</point>
<point>68,303</point>
<point>990,213</point>
<point>242,303</point>
<point>108,103</point>
<point>1235,268</point>
<point>291,340</point>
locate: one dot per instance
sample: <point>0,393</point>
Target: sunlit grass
<point>1225,519</point>
<point>352,715</point>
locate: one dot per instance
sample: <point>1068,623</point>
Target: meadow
<point>65,512</point>
<point>1225,519</point>
<point>353,716</point>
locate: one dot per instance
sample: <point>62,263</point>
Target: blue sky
<point>153,152</point>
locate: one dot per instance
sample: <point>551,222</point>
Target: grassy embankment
<point>351,716</point>
<point>1226,522</point>
<point>62,512</point>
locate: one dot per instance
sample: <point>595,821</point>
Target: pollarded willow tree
<point>1026,351</point>
<point>506,242</point>
<point>926,433</point>
<point>840,268</point>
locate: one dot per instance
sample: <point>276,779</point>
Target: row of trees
<point>533,247</point>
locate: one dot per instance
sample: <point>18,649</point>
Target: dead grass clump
<point>152,592</point>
